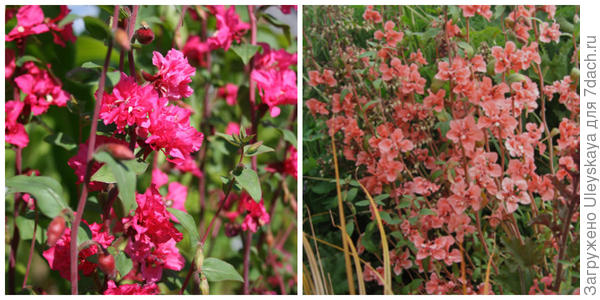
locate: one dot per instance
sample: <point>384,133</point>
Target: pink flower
<point>58,257</point>
<point>151,220</point>
<point>435,101</point>
<point>129,104</point>
<point>229,92</point>
<point>229,27</point>
<point>276,88</point>
<point>256,214</point>
<point>195,50</point>
<point>371,15</point>
<point>176,197</point>
<point>168,129</point>
<point>232,128</point>
<point>159,178</point>
<point>465,132</point>
<point>316,107</point>
<point>514,192</point>
<point>189,165</point>
<point>78,162</point>
<point>471,10</point>
<point>9,60</point>
<point>65,33</point>
<point>14,132</point>
<point>30,21</point>
<point>291,163</point>
<point>173,76</point>
<point>131,289</point>
<point>287,9</point>
<point>549,33</point>
<point>42,90</point>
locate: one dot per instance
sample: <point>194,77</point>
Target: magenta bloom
<point>42,90</point>
<point>276,88</point>
<point>30,21</point>
<point>58,256</point>
<point>229,27</point>
<point>195,50</point>
<point>9,60</point>
<point>65,33</point>
<point>275,81</point>
<point>129,104</point>
<point>229,92</point>
<point>14,132</point>
<point>232,128</point>
<point>287,9</point>
<point>131,289</point>
<point>256,215</point>
<point>169,130</point>
<point>174,75</point>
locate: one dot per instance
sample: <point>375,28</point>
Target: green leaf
<point>25,58</point>
<point>261,149</point>
<point>289,136</point>
<point>368,53</point>
<point>123,263</point>
<point>187,222</point>
<point>68,19</point>
<point>97,29</point>
<point>83,233</point>
<point>277,23</point>
<point>248,179</point>
<point>46,191</point>
<point>426,211</point>
<point>91,65</point>
<point>62,140</point>
<point>245,51</point>
<point>218,270</point>
<point>343,94</point>
<point>377,84</point>
<point>106,175</point>
<point>26,226</point>
<point>125,178</point>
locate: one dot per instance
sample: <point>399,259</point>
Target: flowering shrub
<point>164,137</point>
<point>455,133</point>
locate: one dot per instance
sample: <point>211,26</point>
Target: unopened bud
<point>106,262</point>
<point>232,229</point>
<point>516,77</point>
<point>254,147</point>
<point>144,35</point>
<point>55,230</point>
<point>270,239</point>
<point>204,288</point>
<point>122,39</point>
<point>575,75</point>
<point>199,258</point>
<point>118,151</point>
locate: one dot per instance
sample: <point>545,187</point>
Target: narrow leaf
<point>46,191</point>
<point>188,224</point>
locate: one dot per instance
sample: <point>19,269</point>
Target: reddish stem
<point>90,154</point>
<point>35,223</point>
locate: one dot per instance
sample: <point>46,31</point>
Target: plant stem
<point>90,154</point>
<point>35,223</point>
<point>247,247</point>
<point>179,23</point>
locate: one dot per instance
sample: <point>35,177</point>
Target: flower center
<point>49,98</point>
<point>21,29</point>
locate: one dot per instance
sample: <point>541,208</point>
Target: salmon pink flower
<point>435,101</point>
<point>465,132</point>
<point>549,33</point>
<point>514,191</point>
<point>371,15</point>
<point>316,107</point>
<point>471,10</point>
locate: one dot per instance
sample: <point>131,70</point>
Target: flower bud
<point>199,258</point>
<point>144,35</point>
<point>575,75</point>
<point>204,288</point>
<point>106,262</point>
<point>118,151</point>
<point>55,230</point>
<point>232,229</point>
<point>254,147</point>
<point>516,77</point>
<point>122,39</point>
